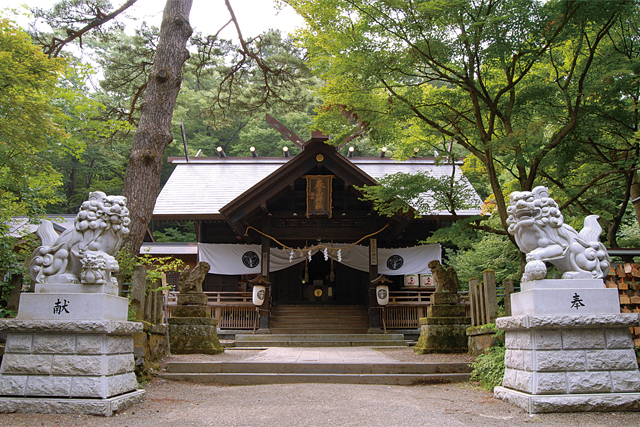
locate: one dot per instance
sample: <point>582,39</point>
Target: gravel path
<point>183,404</point>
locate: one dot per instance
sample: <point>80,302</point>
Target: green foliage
<point>425,193</point>
<point>156,266</point>
<point>174,235</point>
<point>31,136</point>
<point>629,234</point>
<point>493,252</point>
<point>533,92</point>
<point>488,368</point>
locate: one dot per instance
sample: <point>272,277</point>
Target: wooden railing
<point>233,310</point>
<point>406,307</point>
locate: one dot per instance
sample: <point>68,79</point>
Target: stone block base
<point>192,299</point>
<point>189,311</point>
<point>45,405</point>
<point>442,310</point>
<point>445,298</point>
<point>68,359</point>
<point>443,335</point>
<point>596,402</point>
<point>570,363</point>
<point>194,335</point>
<point>480,338</point>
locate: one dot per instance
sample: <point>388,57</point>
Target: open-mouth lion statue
<point>539,229</point>
<point>73,257</point>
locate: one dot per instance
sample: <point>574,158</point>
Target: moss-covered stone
<point>190,311</point>
<point>465,321</point>
<point>194,335</point>
<point>442,339</point>
<point>439,310</point>
<point>489,328</point>
<point>149,347</point>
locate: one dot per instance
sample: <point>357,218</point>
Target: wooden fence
<point>483,298</point>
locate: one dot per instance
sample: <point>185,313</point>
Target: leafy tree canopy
<point>531,92</point>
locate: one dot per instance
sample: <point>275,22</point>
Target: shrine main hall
<point>300,227</point>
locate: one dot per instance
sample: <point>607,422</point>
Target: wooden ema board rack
<point>626,278</point>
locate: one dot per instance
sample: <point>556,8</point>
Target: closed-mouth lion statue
<point>540,232</point>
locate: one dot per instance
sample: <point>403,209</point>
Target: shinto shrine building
<point>299,226</point>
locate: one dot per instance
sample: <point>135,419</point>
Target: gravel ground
<point>183,404</point>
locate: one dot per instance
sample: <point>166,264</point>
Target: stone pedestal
<point>69,353</point>
<point>569,349</point>
<point>444,328</point>
<point>189,335</point>
<point>481,338</point>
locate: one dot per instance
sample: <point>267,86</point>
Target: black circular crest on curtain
<point>250,259</point>
<point>395,262</point>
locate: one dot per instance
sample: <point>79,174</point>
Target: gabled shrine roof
<point>198,189</point>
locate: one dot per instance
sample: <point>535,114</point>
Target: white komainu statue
<point>85,252</point>
<point>539,229</point>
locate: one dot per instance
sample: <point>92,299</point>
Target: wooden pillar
<point>508,290</point>
<point>265,308</point>
<point>374,307</point>
<point>473,301</point>
<point>482,311</point>
<point>490,295</point>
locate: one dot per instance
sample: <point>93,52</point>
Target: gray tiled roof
<point>204,185</point>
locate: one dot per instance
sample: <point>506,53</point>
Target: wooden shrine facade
<point>305,207</point>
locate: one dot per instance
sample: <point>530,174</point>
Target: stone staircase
<point>319,319</point>
<point>317,340</point>
<point>252,373</point>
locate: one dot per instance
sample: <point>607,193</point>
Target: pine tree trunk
<point>142,179</point>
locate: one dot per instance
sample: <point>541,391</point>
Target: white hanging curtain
<point>231,259</point>
<point>412,260</point>
<point>246,259</point>
<point>281,260</point>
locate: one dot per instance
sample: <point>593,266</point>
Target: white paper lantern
<point>382,293</point>
<point>259,292</point>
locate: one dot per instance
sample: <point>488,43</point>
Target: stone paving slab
<point>320,355</point>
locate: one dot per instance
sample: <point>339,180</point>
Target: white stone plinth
<point>596,402</point>
<point>74,288</point>
<point>562,284</point>
<point>78,306</point>
<point>565,297</point>
<point>68,366</point>
<point>568,363</point>
<point>104,407</point>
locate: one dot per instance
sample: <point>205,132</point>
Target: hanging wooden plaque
<point>319,195</point>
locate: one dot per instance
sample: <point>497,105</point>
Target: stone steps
<point>324,319</point>
<point>320,340</point>
<point>249,373</point>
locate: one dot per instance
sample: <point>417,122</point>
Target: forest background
<point>527,92</point>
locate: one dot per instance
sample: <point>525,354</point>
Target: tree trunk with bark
<point>142,180</point>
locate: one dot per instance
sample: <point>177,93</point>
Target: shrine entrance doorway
<point>316,287</point>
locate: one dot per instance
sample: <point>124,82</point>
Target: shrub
<point>488,368</point>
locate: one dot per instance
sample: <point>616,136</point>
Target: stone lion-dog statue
<point>540,232</point>
<point>85,252</point>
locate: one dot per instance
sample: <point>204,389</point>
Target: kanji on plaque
<point>319,195</point>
